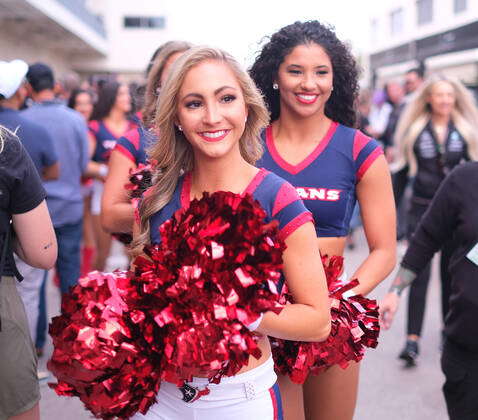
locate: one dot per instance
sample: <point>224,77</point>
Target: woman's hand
<point>388,307</point>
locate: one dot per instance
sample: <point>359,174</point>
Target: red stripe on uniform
<point>286,195</point>
<point>133,137</point>
<point>360,141</point>
<point>296,223</point>
<point>274,403</point>
<point>256,181</point>
<point>125,152</point>
<point>185,197</point>
<point>94,126</point>
<point>368,162</point>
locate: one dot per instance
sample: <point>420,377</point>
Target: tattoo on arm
<point>48,245</point>
<point>403,279</point>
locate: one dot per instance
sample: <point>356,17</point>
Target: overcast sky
<point>238,25</point>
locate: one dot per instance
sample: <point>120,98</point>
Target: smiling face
<point>305,80</point>
<point>123,99</point>
<point>211,109</point>
<point>84,105</point>
<point>442,98</point>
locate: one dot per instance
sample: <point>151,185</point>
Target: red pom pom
<point>140,179</point>
<point>215,271</point>
<point>182,312</point>
<point>355,326</point>
<point>99,354</point>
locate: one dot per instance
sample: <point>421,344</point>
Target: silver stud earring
<point>332,89</point>
<point>275,86</point>
<point>180,128</point>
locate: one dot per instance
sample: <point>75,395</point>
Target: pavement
<point>387,389</point>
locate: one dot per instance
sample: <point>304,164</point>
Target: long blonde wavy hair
<point>417,114</point>
<point>153,84</point>
<point>173,152</point>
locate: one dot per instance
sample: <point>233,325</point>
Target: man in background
<point>39,145</point>
<point>68,131</point>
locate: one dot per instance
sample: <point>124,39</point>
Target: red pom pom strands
<point>215,272</point>
<point>99,353</point>
<point>183,312</point>
<point>354,326</point>
<point>140,179</point>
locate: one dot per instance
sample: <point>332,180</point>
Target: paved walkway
<point>387,390</point>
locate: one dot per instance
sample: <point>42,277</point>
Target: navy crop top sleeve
<point>134,143</point>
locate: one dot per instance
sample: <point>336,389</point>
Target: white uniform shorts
<point>250,395</point>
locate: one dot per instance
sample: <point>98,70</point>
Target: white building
<point>85,36</point>
<point>441,34</point>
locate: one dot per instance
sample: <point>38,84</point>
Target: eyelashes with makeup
<point>320,72</point>
<point>224,99</point>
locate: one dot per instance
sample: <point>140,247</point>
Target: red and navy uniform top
<point>105,139</point>
<point>277,197</point>
<point>134,143</point>
<point>326,179</point>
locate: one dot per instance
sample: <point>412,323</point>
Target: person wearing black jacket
<point>437,131</point>
<point>452,213</point>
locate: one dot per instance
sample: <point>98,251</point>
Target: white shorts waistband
<point>247,384</point>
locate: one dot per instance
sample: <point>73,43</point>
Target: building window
<point>460,5</point>
<point>158,22</point>
<point>396,21</point>
<point>424,11</point>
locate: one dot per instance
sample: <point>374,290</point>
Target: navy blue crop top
<point>327,178</point>
<point>277,197</point>
<point>105,139</point>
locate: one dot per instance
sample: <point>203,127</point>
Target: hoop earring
<point>275,86</point>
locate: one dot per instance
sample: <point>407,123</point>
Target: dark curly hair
<point>340,106</point>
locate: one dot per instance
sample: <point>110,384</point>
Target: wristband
<point>255,324</point>
<point>103,170</point>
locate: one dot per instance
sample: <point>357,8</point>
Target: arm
<point>51,172</point>
<point>49,158</point>
<point>309,318</point>
<point>94,169</point>
<point>435,228</point>
<point>117,213</point>
<point>377,207</point>
<point>36,241</point>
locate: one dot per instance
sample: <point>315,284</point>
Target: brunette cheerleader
<point>309,80</point>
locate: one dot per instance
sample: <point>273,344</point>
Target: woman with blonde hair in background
<point>437,131</point>
<point>117,214</point>
<point>209,118</point>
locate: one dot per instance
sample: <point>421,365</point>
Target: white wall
<point>129,49</point>
<point>444,18</point>
<point>13,48</point>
